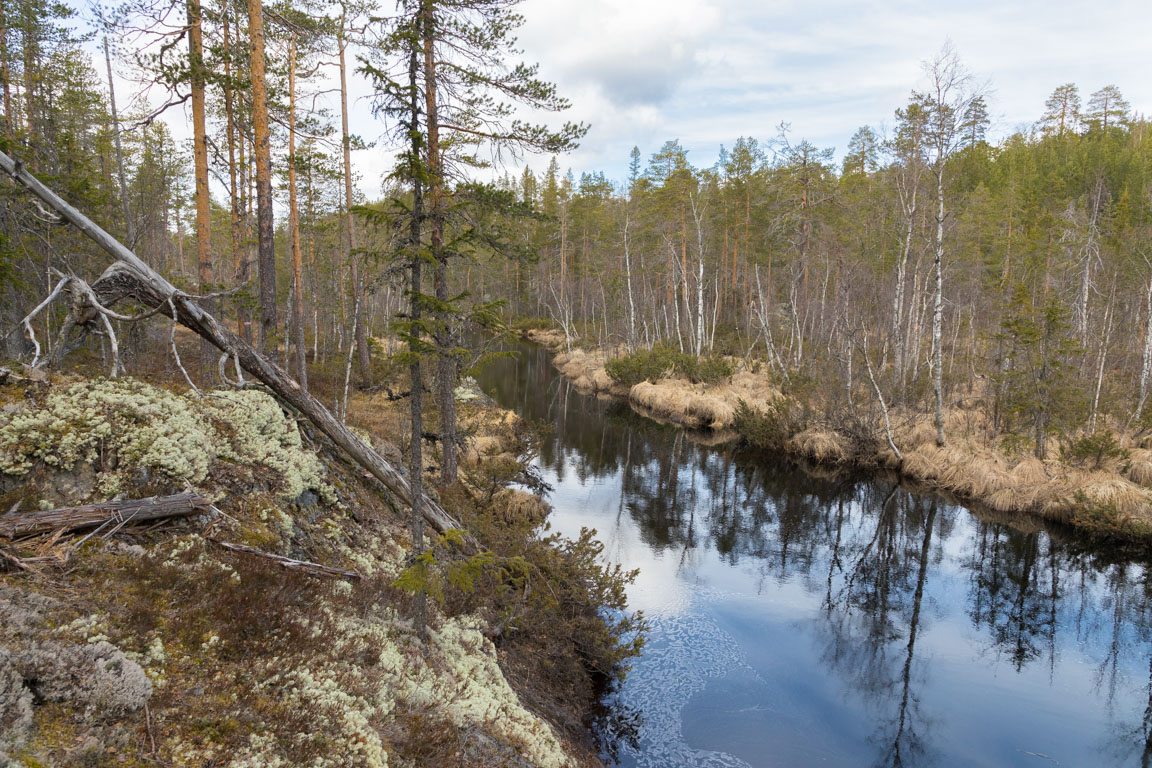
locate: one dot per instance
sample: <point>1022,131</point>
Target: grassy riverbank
<point>1098,488</point>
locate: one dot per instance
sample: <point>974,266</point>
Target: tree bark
<point>239,263</point>
<point>446,383</point>
<point>128,228</point>
<point>416,375</point>
<point>301,358</point>
<point>938,308</point>
<point>200,153</point>
<point>266,248</point>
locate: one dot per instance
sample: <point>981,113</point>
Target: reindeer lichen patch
<point>259,433</point>
<point>122,426</point>
<point>131,433</point>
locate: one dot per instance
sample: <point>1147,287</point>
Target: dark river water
<point>804,621</point>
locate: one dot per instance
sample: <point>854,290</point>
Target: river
<point>800,620</point>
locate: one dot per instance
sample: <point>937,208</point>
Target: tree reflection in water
<point>883,569</point>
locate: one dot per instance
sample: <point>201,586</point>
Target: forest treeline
<point>1017,271</point>
<point>930,265</point>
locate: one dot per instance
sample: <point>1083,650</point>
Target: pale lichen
<point>132,432</point>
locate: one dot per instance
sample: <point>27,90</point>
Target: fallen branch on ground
<point>116,513</point>
<point>312,569</point>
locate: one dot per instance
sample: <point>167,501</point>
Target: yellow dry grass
<point>678,400</point>
<point>1029,471</point>
<point>552,339</point>
<point>1140,469</point>
<point>821,445</point>
<point>479,449</point>
<point>699,406</point>
<point>513,506</point>
<point>919,433</point>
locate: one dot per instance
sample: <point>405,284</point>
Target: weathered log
<point>116,513</point>
<point>131,277</point>
<point>291,564</point>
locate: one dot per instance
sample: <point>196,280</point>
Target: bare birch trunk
<point>938,307</point>
<point>628,280</point>
<point>363,352</point>
<point>129,229</point>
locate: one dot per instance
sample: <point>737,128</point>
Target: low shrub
<point>711,370</point>
<point>643,365</point>
<point>532,324</point>
<point>660,361</point>
<point>1096,448</point>
<point>764,428</point>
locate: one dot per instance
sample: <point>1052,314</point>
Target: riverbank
<point>1108,497</point>
<point>275,629</point>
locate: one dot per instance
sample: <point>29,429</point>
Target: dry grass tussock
<point>820,445</point>
<point>586,371</point>
<point>514,506</point>
<point>1140,468</point>
<point>1071,490</point>
<point>552,339</point>
<point>1029,471</point>
<point>701,406</point>
<point>964,469</point>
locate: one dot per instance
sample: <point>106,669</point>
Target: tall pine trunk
<point>265,233</point>
<point>294,229</point>
<point>200,154</point>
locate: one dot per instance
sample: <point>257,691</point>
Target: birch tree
<point>949,92</point>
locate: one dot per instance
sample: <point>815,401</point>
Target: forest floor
<point>161,647</point>
<point>1109,499</point>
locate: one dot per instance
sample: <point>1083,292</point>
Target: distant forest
<point>940,263</point>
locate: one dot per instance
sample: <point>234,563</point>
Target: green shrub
<point>1097,448</point>
<point>763,429</point>
<point>712,370</point>
<point>660,361</point>
<point>643,365</point>
<point>532,324</point>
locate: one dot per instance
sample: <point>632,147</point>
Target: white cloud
<point>708,71</point>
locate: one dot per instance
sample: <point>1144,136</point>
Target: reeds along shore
<point>1113,499</point>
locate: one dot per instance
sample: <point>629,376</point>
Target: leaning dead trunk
<point>131,278</point>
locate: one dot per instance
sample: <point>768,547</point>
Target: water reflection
<point>802,620</point>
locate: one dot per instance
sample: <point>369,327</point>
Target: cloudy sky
<point>641,72</point>
<point>707,71</point>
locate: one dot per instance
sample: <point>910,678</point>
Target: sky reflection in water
<point>804,621</point>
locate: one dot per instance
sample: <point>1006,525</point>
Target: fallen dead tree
<point>114,513</point>
<point>131,278</point>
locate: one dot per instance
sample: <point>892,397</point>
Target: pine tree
<point>1061,111</point>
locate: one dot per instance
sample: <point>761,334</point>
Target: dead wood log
<point>118,513</point>
<point>288,563</point>
<point>130,277</point>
